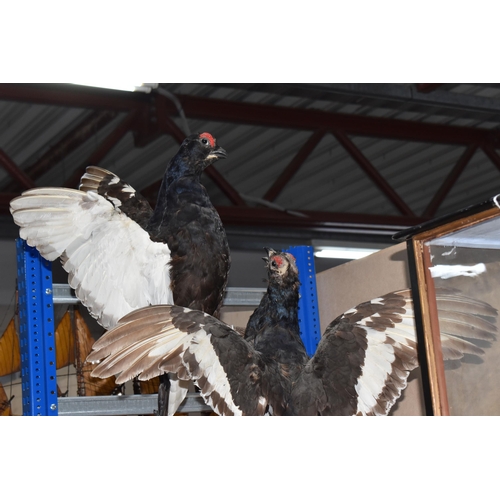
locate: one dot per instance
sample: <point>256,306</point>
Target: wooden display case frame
<point>418,239</point>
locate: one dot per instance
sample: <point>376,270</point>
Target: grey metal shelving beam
<point>235,296</point>
<point>136,404</point>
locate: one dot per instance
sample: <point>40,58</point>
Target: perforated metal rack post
<point>36,332</point>
<point>308,301</point>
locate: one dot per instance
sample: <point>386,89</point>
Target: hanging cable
<point>270,204</point>
<point>178,105</point>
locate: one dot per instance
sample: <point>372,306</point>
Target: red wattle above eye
<point>208,136</point>
<point>278,260</point>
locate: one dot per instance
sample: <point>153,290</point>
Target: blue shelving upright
<point>308,302</point>
<point>36,332</point>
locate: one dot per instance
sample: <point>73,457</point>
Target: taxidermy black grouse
<point>360,367</point>
<point>120,253</point>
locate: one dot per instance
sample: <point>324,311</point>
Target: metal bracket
<point>36,332</point>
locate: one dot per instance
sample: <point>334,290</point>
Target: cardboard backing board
<point>346,286</point>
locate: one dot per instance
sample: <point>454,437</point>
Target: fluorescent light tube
<point>130,87</point>
<point>344,252</point>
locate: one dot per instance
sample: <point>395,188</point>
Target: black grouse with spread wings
<point>121,254</point>
<point>360,367</point>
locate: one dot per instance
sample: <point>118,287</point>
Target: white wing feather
<point>158,344</point>
<point>391,351</point>
<point>112,263</point>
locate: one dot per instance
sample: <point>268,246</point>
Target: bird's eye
<point>204,141</point>
<point>276,261</point>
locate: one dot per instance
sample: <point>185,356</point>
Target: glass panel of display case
<point>467,262</point>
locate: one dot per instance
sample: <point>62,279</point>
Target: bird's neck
<point>278,307</point>
<point>180,178</point>
<point>273,329</point>
<point>183,166</point>
<point>286,295</point>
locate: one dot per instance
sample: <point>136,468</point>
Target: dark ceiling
<point>306,162</point>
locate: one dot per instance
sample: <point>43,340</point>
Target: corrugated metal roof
<point>329,180</point>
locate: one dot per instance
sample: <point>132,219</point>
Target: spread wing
<point>365,356</point>
<point>122,195</point>
<point>113,265</point>
<point>232,377</point>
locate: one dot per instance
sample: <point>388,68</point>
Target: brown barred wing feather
<point>231,375</point>
<point>363,361</point>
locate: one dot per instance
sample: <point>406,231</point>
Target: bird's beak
<point>270,252</point>
<point>216,154</point>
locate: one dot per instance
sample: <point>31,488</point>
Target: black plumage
<point>184,219</point>
<point>273,328</point>
<point>360,367</point>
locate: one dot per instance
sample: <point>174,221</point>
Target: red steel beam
<point>311,119</point>
<point>294,165</point>
<point>263,115</point>
<point>5,199</point>
<point>252,114</point>
<point>225,186</point>
<point>169,127</point>
<point>492,154</point>
<point>449,182</point>
<point>252,216</point>
<point>73,139</point>
<point>113,138</point>
<point>14,171</point>
<point>373,173</point>
<point>74,96</point>
<point>104,148</point>
<point>151,191</point>
<point>66,95</point>
<point>425,88</point>
<point>256,216</point>
<point>165,123</point>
